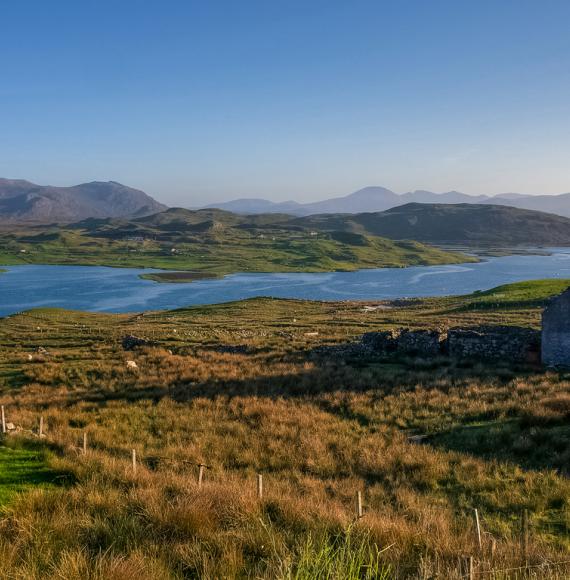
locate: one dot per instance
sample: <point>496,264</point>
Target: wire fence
<point>471,567</point>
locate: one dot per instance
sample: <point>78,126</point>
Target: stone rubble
<point>482,343</point>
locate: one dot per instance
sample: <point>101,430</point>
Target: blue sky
<point>198,102</point>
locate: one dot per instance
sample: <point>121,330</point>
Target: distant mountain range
<point>22,201</point>
<point>374,199</point>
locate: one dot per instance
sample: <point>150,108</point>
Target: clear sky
<point>203,101</point>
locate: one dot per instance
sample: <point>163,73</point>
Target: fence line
<point>519,568</point>
<point>471,563</point>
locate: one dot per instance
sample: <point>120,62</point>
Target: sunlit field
<point>242,390</point>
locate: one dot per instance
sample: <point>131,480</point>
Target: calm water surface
<point>121,290</point>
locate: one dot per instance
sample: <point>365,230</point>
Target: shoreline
<point>181,276</point>
<point>161,275</point>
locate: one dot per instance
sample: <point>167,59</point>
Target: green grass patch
<point>339,557</point>
<point>521,294</point>
<point>24,467</point>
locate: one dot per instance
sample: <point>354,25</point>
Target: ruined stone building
<point>556,332</point>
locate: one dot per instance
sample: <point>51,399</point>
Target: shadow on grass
<point>324,375</point>
<point>24,465</point>
<point>529,443</point>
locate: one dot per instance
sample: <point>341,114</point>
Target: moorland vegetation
<point>240,389</point>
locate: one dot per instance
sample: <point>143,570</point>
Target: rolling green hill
<point>214,242</point>
<point>467,224</point>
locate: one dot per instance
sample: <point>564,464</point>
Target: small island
<point>178,277</point>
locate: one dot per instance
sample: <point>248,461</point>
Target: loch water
<point>102,289</point>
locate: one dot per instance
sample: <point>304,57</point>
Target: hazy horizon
<point>208,102</point>
<point>292,198</point>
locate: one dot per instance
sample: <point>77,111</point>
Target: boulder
<point>130,342</point>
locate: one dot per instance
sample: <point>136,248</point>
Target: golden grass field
<point>319,429</point>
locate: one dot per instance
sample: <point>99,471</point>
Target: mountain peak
<point>21,200</point>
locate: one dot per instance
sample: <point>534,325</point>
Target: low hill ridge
<point>475,224</point>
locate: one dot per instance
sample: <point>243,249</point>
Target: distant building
<point>556,332</point>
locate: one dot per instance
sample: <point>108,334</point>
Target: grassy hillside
<point>521,294</point>
<point>238,387</point>
<point>472,224</point>
<point>211,241</point>
<point>219,242</point>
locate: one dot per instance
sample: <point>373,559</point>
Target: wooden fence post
<point>134,458</point>
<point>41,428</point>
<point>200,475</point>
<point>470,568</point>
<point>259,486</point>
<point>359,512</point>
<point>84,442</point>
<point>478,526</point>
<point>524,532</point>
<point>3,420</point>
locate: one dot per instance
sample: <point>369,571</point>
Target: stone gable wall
<point>556,332</point>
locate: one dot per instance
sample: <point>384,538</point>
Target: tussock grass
<point>319,430</point>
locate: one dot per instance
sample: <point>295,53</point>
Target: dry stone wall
<point>481,343</point>
<point>510,343</point>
